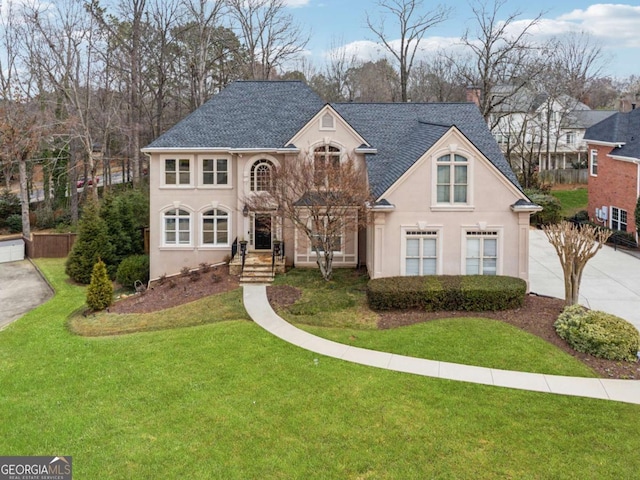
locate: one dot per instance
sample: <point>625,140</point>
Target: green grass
<point>229,401</point>
<point>572,200</point>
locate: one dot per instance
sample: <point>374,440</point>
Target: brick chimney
<point>473,95</point>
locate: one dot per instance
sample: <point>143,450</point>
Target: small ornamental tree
<point>322,195</point>
<point>575,246</point>
<point>91,245</point>
<point>100,290</point>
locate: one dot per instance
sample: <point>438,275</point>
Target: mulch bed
<point>536,315</point>
<point>177,291</point>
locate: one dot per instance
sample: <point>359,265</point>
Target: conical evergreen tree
<point>91,245</point>
<point>100,290</point>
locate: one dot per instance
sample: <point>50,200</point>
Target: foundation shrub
<point>135,267</point>
<point>598,333</point>
<point>443,292</point>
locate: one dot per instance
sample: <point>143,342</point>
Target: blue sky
<point>615,26</point>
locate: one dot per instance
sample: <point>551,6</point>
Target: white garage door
<point>11,251</point>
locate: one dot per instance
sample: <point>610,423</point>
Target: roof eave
<point>603,144</point>
<point>150,150</point>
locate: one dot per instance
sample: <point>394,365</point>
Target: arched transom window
<point>261,176</point>
<point>215,227</point>
<point>177,227</point>
<point>325,158</point>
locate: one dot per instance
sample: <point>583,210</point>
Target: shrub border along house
<point>598,333</point>
<point>447,293</point>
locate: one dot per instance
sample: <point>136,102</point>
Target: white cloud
<point>296,3</point>
<point>617,24</point>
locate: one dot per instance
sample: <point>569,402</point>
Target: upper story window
<point>593,163</point>
<point>177,227</point>
<point>452,181</point>
<point>177,171</point>
<point>215,171</point>
<point>325,158</point>
<point>570,138</point>
<point>261,176</point>
<point>215,227</point>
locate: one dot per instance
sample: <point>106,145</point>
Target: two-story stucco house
<point>445,199</point>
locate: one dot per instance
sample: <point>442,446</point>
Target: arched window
<point>452,179</point>
<point>261,180</point>
<point>177,227</point>
<point>325,159</point>
<point>215,227</point>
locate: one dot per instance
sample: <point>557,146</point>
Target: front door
<point>262,231</point>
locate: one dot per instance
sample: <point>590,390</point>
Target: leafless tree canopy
<point>321,197</point>
<point>410,28</point>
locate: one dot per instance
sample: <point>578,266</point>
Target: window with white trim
<point>593,163</point>
<point>215,227</point>
<point>452,181</point>
<point>325,159</point>
<point>328,232</point>
<point>570,138</point>
<point>421,252</point>
<point>261,178</point>
<point>618,219</point>
<point>177,171</point>
<point>215,171</point>
<point>177,227</point>
<point>482,253</point>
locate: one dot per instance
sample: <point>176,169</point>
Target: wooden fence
<point>49,245</point>
<point>566,176</point>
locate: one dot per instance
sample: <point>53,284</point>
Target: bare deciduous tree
<point>270,36</point>
<point>575,246</point>
<point>500,56</point>
<point>322,198</point>
<point>411,27</point>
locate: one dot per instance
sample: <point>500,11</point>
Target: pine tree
<point>91,245</point>
<point>100,290</point>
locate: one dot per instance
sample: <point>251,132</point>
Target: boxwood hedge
<point>446,292</point>
<point>598,333</point>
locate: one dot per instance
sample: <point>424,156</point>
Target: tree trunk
<point>24,199</point>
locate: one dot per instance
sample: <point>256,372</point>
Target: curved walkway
<point>259,309</point>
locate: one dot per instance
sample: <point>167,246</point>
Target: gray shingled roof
<point>619,128</point>
<point>258,114</point>
<point>403,132</point>
<point>246,114</point>
<point>585,118</point>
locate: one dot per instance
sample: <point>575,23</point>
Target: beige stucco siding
<point>490,197</point>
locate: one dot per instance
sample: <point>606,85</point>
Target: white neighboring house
<point>543,131</point>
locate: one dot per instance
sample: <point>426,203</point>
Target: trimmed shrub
<point>100,289</point>
<point>14,223</point>
<point>135,267</point>
<point>551,208</point>
<point>446,292</point>
<point>598,333</point>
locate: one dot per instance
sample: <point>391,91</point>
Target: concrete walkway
<point>259,309</point>
<point>22,288</point>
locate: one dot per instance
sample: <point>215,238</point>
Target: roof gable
<point>403,132</point>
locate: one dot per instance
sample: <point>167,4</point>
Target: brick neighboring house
<point>614,170</point>
<point>445,200</point>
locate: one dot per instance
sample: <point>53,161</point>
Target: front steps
<point>257,268</point>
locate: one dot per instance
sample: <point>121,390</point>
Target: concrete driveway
<point>21,289</point>
<point>610,282</point>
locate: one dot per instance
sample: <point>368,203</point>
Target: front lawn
<point>229,401</point>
